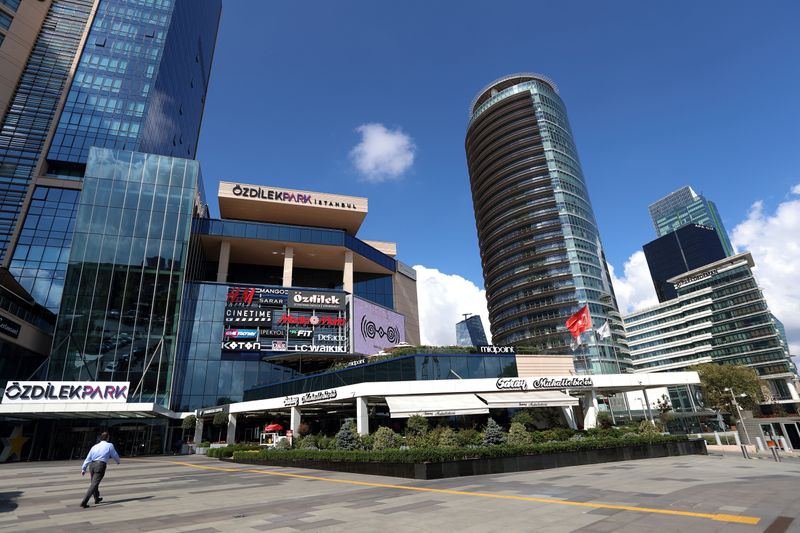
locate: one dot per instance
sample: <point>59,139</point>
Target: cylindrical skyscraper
<point>540,248</point>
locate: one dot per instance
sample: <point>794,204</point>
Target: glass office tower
<point>683,207</point>
<point>540,247</point>
<point>470,332</point>
<point>119,316</point>
<point>140,85</point>
<point>680,251</point>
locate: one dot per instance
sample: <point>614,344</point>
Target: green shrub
<point>493,433</point>
<point>417,425</point>
<point>421,455</point>
<point>518,435</point>
<point>647,429</point>
<point>368,442</point>
<point>347,438</point>
<point>523,417</point>
<point>204,444</point>
<point>469,437</point>
<point>604,420</point>
<point>309,442</point>
<point>283,444</point>
<point>385,439</point>
<point>448,439</point>
<point>228,451</point>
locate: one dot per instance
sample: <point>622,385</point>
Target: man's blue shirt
<point>102,451</point>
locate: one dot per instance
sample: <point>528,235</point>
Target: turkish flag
<point>579,322</point>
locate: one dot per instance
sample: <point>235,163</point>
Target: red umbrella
<point>273,427</point>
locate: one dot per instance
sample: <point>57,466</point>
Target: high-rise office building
<point>719,316</point>
<point>540,247</point>
<point>683,207</point>
<point>121,74</point>
<point>470,332</point>
<point>679,251</point>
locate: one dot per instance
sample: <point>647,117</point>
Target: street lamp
<point>739,411</point>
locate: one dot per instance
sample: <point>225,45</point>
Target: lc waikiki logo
<point>238,295</point>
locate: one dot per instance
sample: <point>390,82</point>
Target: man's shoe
<point>85,505</point>
<point>98,500</point>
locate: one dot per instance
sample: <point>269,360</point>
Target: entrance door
<point>793,434</point>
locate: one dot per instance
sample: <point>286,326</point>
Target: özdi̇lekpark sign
<point>65,391</point>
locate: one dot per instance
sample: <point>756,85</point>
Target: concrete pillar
<point>347,278</point>
<point>647,406</point>
<point>288,266</point>
<point>198,431</point>
<point>627,406</point>
<point>224,259</point>
<point>294,420</point>
<point>362,416</point>
<point>569,416</point>
<point>230,436</point>
<point>792,389</point>
<point>590,410</point>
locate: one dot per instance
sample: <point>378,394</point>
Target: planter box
<point>201,451</point>
<point>218,444</point>
<point>499,465</point>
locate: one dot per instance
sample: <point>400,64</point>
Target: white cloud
<point>382,154</point>
<point>774,241</point>
<point>442,300</point>
<point>634,289</point>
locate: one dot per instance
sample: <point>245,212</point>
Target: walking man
<point>96,462</point>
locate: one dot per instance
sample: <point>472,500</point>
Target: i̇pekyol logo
<point>369,329</point>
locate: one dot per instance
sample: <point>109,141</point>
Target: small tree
<point>493,433</point>
<point>524,418</point>
<point>604,420</point>
<point>448,438</point>
<point>347,438</point>
<point>385,439</point>
<point>518,435</point>
<point>188,423</point>
<point>220,419</point>
<point>417,426</point>
<point>716,378</point>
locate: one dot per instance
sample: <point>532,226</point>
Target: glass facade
<point>141,80</point>
<point>540,246</point>
<point>470,332</point>
<point>405,368</point>
<point>33,107</point>
<point>40,258</point>
<point>118,318</point>
<point>719,316</point>
<point>377,288</point>
<point>683,207</point>
<point>682,250</point>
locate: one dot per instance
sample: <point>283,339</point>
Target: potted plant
<point>202,448</point>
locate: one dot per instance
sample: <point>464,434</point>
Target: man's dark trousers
<point>97,469</point>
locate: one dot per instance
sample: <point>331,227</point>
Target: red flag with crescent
<point>579,322</point>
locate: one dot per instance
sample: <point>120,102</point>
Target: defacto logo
<point>331,337</point>
<point>241,333</point>
<point>299,298</point>
<point>312,321</point>
<point>65,391</point>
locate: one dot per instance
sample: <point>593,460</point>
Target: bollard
<point>716,437</point>
<point>744,451</point>
<point>775,454</point>
<point>760,445</point>
<point>785,445</point>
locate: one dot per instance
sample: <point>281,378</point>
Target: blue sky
<point>659,95</point>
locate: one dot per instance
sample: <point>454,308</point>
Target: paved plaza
<point>695,493</point>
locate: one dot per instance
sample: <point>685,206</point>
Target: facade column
<point>230,436</point>
<point>569,415</point>
<point>362,416</point>
<point>294,420</point>
<point>792,389</point>
<point>288,266</point>
<point>224,259</point>
<point>590,410</point>
<point>347,279</point>
<point>647,406</point>
<point>198,431</point>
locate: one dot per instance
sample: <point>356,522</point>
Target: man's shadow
<point>113,502</point>
<point>8,501</point>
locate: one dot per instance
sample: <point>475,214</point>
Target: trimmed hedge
<point>438,455</point>
<point>229,450</point>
